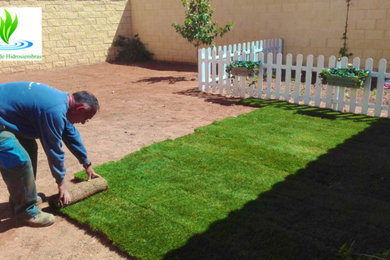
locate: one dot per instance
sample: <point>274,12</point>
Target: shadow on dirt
<point>169,79</point>
<point>212,98</point>
<point>161,66</point>
<point>342,197</point>
<point>7,220</point>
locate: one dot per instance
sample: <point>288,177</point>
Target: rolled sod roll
<point>80,191</point>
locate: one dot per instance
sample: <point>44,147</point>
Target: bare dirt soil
<point>140,105</point>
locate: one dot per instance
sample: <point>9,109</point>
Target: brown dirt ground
<point>140,105</point>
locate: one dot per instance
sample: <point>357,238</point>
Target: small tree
<point>198,28</point>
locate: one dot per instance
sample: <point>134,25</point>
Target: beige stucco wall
<point>307,26</point>
<point>74,32</point>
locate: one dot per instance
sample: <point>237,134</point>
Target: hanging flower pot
<point>237,71</point>
<point>243,68</point>
<point>345,77</point>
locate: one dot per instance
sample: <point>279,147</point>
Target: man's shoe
<point>43,219</point>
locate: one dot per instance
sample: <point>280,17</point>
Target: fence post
<point>288,77</point>
<point>252,58</point>
<point>241,88</point>
<point>208,68</point>
<point>221,70</point>
<point>352,99</point>
<point>340,91</point>
<point>298,74</point>
<point>261,75</point>
<point>318,84</point>
<point>278,74</point>
<point>379,87</point>
<point>329,90</point>
<point>269,74</point>
<point>201,69</point>
<point>309,67</point>
<point>367,88</point>
<point>213,69</point>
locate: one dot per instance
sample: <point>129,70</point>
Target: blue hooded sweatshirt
<point>35,110</point>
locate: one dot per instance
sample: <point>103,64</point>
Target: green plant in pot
<point>244,69</point>
<point>345,77</point>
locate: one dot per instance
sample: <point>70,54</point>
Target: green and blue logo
<point>7,27</point>
<point>21,34</point>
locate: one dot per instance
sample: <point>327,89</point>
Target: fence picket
<point>221,70</point>
<point>353,95</point>
<point>280,45</point>
<point>208,67</point>
<point>379,87</point>
<point>298,74</point>
<point>367,88</point>
<point>329,90</point>
<point>265,50</point>
<point>340,91</point>
<point>269,75</point>
<point>260,81</point>
<point>278,74</point>
<point>228,79</point>
<point>201,69</point>
<point>252,57</point>
<point>213,70</point>
<point>235,85</point>
<point>309,66</point>
<point>339,103</point>
<point>318,84</point>
<point>242,80</point>
<point>288,77</point>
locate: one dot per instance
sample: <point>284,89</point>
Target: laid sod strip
<point>281,181</point>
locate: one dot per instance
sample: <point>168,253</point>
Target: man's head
<point>82,107</point>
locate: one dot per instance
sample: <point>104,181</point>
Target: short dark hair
<point>87,99</point>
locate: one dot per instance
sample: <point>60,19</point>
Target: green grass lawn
<point>281,182</point>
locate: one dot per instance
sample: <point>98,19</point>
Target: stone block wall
<point>74,32</point>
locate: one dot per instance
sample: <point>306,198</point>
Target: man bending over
<point>30,111</point>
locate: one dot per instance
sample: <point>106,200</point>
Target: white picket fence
<point>210,59</point>
<point>213,78</point>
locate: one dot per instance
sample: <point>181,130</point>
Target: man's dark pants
<point>18,164</point>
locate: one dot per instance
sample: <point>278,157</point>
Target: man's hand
<point>91,173</point>
<point>64,195</point>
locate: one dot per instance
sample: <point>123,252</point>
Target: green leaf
<point>7,27</point>
<point>8,19</point>
<point>2,31</point>
<point>8,22</point>
<point>13,27</point>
